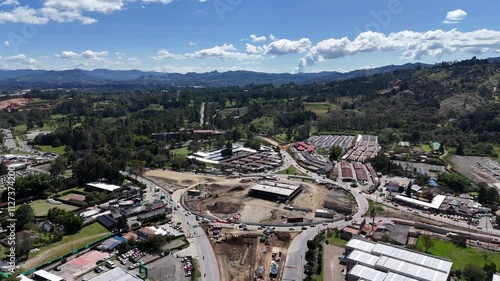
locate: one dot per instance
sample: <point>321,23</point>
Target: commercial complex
<point>371,261</point>
<point>275,191</point>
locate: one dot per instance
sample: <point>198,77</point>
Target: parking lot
<point>168,268</point>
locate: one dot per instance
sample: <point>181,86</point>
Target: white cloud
<point>414,45</point>
<point>87,55</point>
<point>202,1</point>
<point>65,10</point>
<point>22,14</point>
<point>256,38</point>
<point>285,46</point>
<point>164,54</point>
<point>226,51</point>
<point>20,59</point>
<point>6,43</point>
<point>9,2</point>
<point>272,37</point>
<point>251,49</point>
<point>191,43</point>
<point>134,61</point>
<point>455,16</point>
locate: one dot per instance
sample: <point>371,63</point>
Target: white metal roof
<point>391,276</point>
<point>363,258</point>
<point>47,275</point>
<point>274,189</point>
<point>410,269</point>
<point>359,244</point>
<point>116,274</point>
<point>367,273</point>
<point>104,186</point>
<point>413,257</point>
<point>24,278</point>
<point>435,204</point>
<point>496,277</point>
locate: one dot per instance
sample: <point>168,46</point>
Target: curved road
<point>204,251</point>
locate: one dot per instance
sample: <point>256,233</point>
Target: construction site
<point>244,201</point>
<point>243,256</point>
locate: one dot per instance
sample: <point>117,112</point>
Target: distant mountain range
<point>129,79</point>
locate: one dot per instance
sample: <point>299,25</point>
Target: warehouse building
<point>275,191</point>
<point>371,261</point>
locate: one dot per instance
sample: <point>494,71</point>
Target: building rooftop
<point>496,277</point>
<point>47,275</point>
<point>363,258</point>
<point>280,189</point>
<point>104,186</point>
<point>410,269</point>
<point>116,274</point>
<point>435,204</point>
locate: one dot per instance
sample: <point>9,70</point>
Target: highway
<point>9,142</point>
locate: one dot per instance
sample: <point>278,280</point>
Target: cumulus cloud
<point>65,10</point>
<point>21,58</point>
<point>226,51</point>
<point>9,3</point>
<point>6,43</point>
<point>256,38</point>
<point>85,55</point>
<point>164,54</point>
<point>251,49</point>
<point>272,37</point>
<point>286,46</point>
<point>414,45</point>
<point>455,16</point>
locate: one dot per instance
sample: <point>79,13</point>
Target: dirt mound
<point>209,180</point>
<point>237,188</point>
<point>187,181</point>
<point>224,206</point>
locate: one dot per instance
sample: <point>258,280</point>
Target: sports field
<point>41,207</point>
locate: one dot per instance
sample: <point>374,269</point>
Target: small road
<point>203,250</point>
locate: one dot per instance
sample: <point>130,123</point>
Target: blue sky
<point>267,36</point>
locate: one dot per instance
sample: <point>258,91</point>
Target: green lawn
<point>196,271</point>
<point>291,170</point>
<point>3,251</point>
<point>41,207</point>
<point>460,256</point>
<point>68,173</point>
<point>57,150</point>
<point>426,148</point>
<point>337,241</point>
<point>319,107</point>
<point>81,189</point>
<point>86,235</point>
<point>496,148</point>
<point>182,151</point>
<point>371,204</point>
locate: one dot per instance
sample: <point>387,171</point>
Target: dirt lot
<point>466,165</point>
<point>17,103</point>
<point>167,178</point>
<point>243,257</point>
<point>227,198</point>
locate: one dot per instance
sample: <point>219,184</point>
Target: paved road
<point>9,141</point>
<point>199,241</point>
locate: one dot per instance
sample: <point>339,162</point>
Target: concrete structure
<point>104,186</point>
<point>322,213</point>
<point>275,191</point>
<point>496,277</point>
<point>116,274</point>
<point>388,259</point>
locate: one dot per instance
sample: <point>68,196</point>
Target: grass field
<point>337,241</point>
<point>81,189</point>
<point>460,256</point>
<point>496,148</point>
<point>181,151</point>
<point>371,204</point>
<point>41,207</point>
<point>86,235</point>
<point>57,150</point>
<point>3,251</point>
<point>319,107</point>
<point>426,148</point>
<point>68,173</point>
<point>291,171</point>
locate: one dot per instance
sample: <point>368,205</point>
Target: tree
<point>58,166</point>
<point>194,146</point>
<point>482,195</point>
<point>311,245</point>
<point>137,167</point>
<point>473,272</point>
<point>156,242</point>
<point>310,255</point>
<point>335,152</point>
<point>24,215</point>
<point>3,169</point>
<point>427,242</point>
<point>386,238</point>
<point>73,223</point>
<point>179,162</point>
<point>492,194</point>
<point>460,149</point>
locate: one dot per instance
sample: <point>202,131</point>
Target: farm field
<point>319,107</point>
<point>41,207</point>
<point>86,235</point>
